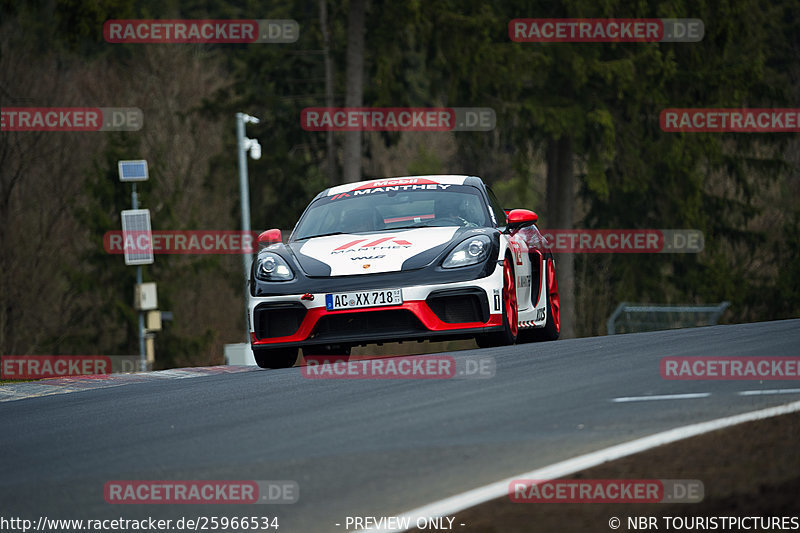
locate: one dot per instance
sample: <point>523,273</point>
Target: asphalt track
<point>366,447</point>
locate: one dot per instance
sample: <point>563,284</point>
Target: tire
<point>510,313</point>
<point>552,326</point>
<point>276,358</point>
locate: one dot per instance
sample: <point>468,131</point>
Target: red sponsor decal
<point>349,244</point>
<point>395,182</point>
<point>377,242</point>
<point>730,368</point>
<point>398,242</point>
<point>407,218</point>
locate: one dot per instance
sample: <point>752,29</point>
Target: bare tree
<point>51,299</point>
<point>40,179</point>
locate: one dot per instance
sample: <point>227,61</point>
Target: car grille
<point>459,305</point>
<point>277,320</point>
<point>375,323</point>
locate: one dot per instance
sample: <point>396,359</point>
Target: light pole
<point>137,221</point>
<point>142,354</point>
<point>245,145</point>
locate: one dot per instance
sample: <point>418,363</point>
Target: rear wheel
<point>276,358</point>
<point>510,313</point>
<point>552,327</point>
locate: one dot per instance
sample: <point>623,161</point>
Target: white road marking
<point>471,498</point>
<point>686,396</point>
<point>768,391</point>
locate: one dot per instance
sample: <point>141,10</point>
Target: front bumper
<point>432,311</point>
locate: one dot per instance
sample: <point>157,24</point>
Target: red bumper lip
<point>419,307</point>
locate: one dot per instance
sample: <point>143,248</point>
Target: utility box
<point>153,321</point>
<point>239,354</point>
<point>145,297</point>
<point>150,350</point>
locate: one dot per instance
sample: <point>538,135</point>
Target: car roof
<point>443,179</point>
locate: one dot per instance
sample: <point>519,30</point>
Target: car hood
<point>371,253</point>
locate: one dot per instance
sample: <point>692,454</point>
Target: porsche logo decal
<point>365,265</point>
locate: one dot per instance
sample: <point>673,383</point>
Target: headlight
<point>272,267</point>
<point>470,252</point>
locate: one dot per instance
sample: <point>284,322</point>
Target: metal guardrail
<point>671,316</point>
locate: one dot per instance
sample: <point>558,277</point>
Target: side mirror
<point>271,236</point>
<point>520,218</point>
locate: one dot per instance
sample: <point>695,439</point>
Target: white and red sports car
<point>411,258</point>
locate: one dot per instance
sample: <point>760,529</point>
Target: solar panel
<point>132,170</point>
<point>137,237</point>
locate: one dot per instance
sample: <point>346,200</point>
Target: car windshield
<point>377,209</point>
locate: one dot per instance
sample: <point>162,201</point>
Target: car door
<point>522,269</point>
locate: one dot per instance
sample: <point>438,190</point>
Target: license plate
<point>361,299</point>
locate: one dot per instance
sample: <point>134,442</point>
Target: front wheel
<point>510,313</point>
<point>275,358</point>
